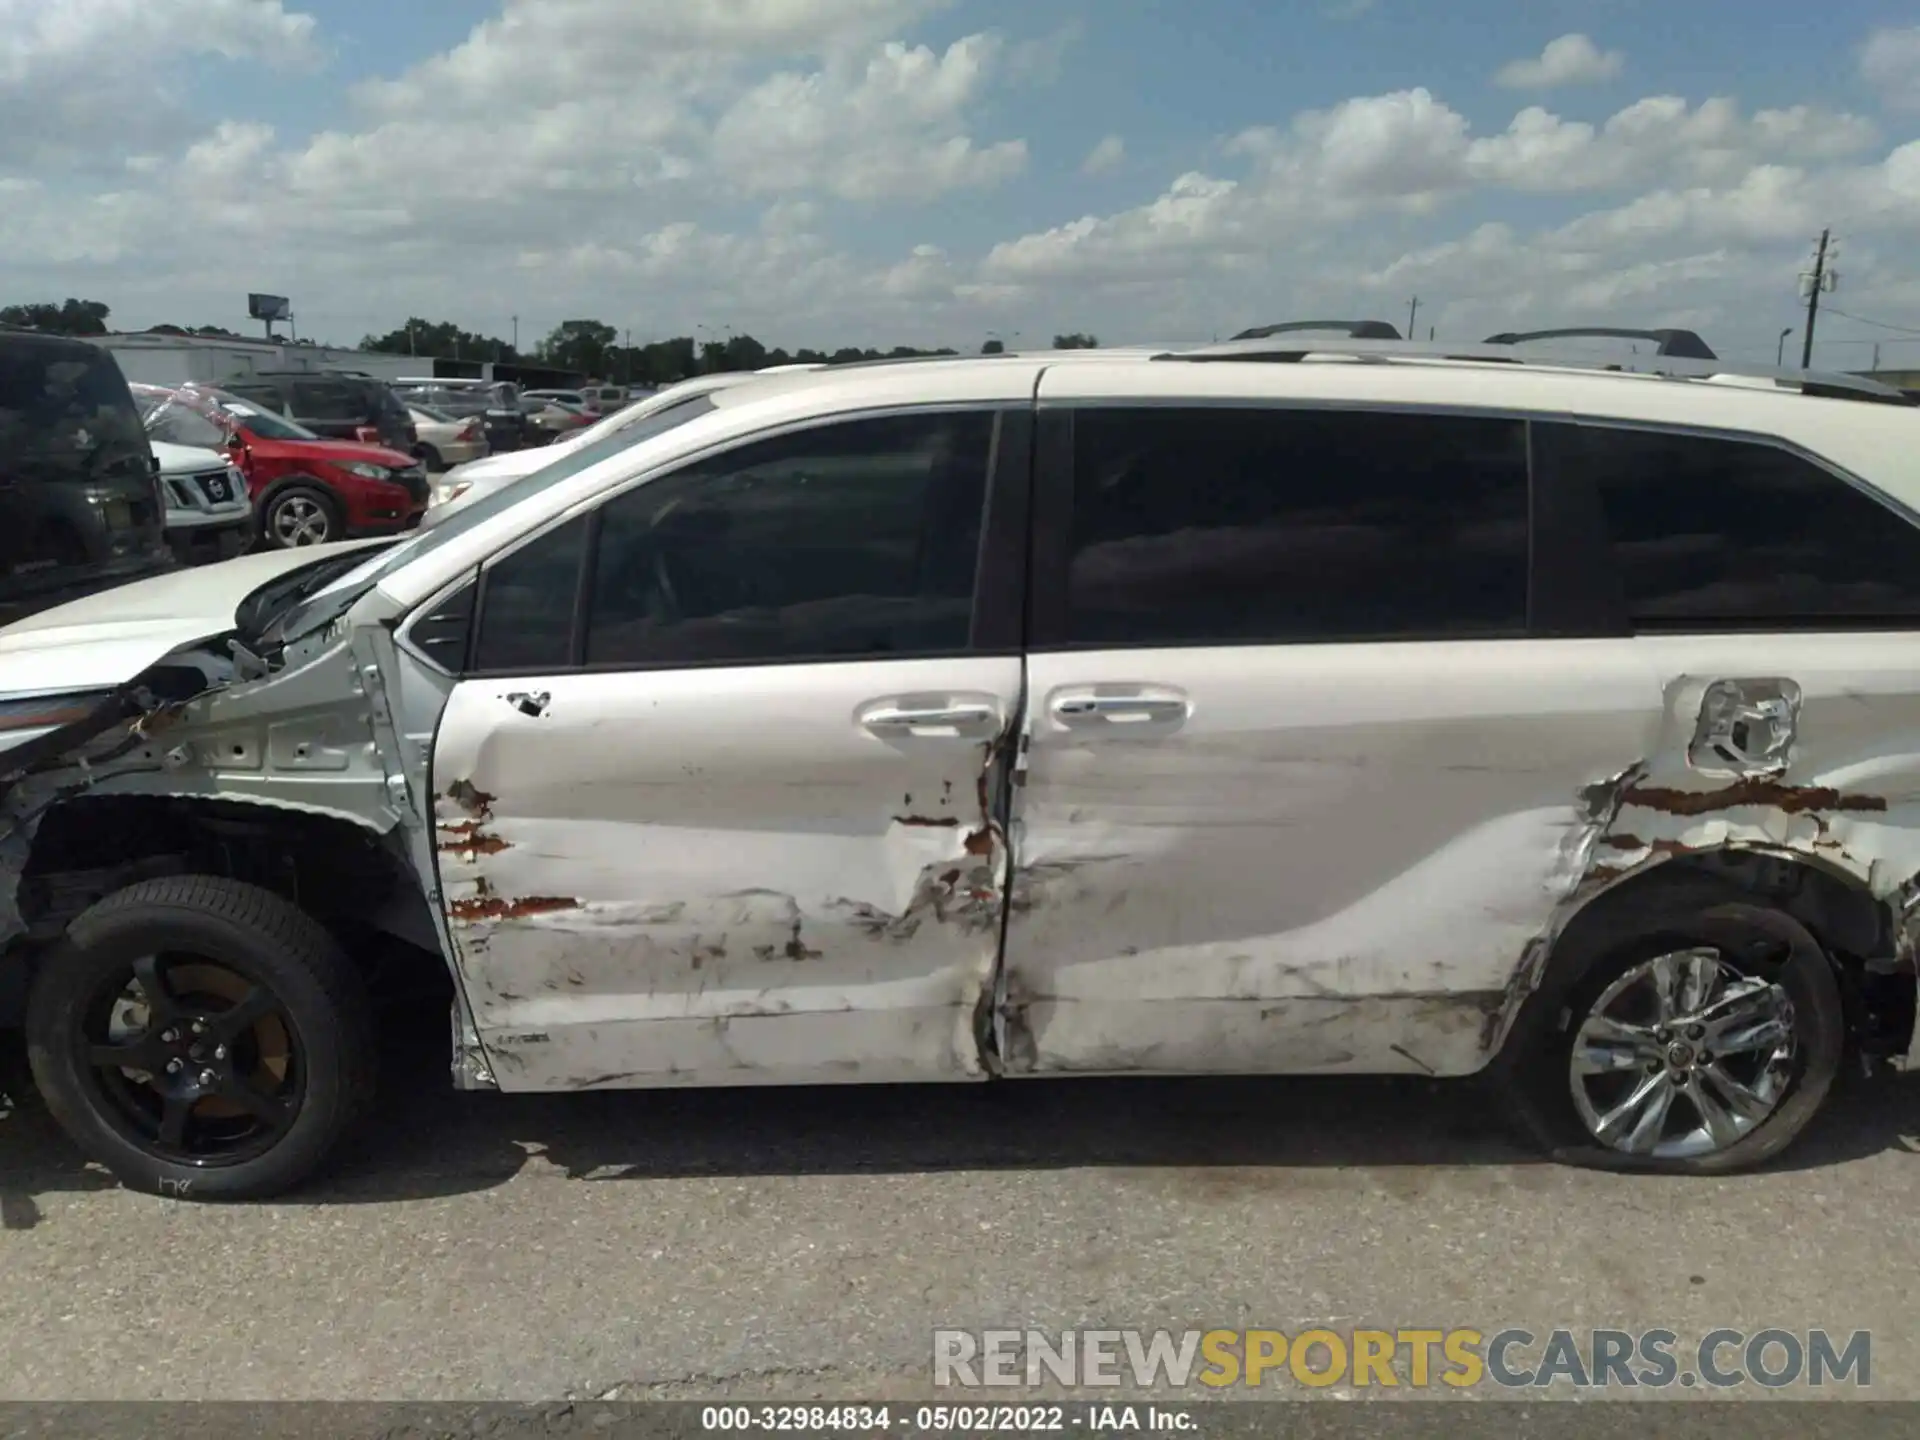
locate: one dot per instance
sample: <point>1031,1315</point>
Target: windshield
<point>180,422</point>
<point>260,421</point>
<point>325,607</point>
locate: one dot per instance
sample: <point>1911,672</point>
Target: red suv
<point>306,490</point>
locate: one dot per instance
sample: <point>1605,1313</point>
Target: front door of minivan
<point>718,795</point>
<point>1298,786</point>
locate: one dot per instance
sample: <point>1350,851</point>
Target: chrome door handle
<point>960,721</point>
<point>1083,708</point>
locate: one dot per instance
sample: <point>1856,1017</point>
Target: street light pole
<point>1780,350</point>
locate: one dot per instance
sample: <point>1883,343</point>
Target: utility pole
<point>1413,310</point>
<point>1814,283</point>
<point>516,334</point>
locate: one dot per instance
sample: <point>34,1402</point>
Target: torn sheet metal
<point>667,879</point>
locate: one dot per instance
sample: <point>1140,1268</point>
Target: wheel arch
<point>356,882</point>
<point>1857,930</point>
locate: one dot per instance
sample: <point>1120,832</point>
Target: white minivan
<point>1277,707</point>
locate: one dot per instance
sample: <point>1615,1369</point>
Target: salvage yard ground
<point>791,1244</point>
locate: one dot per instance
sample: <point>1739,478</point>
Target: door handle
<point>1082,709</point>
<point>534,703</point>
<point>964,720</point>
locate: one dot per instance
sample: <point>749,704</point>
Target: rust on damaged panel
<point>483,904</point>
<point>476,802</point>
<point>1788,799</point>
<point>465,837</point>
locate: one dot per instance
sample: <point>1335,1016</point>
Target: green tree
<point>439,338</point>
<point>70,317</point>
<point>1076,341</point>
<point>582,345</point>
<point>993,347</point>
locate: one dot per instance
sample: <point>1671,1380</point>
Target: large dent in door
<point>623,950</point>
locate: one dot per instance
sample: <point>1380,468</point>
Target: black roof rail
<point>1680,344</point>
<point>1827,384</point>
<point>1352,329</point>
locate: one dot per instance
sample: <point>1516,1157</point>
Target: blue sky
<point>788,173</point>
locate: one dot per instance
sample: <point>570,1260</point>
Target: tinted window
<point>1708,533</point>
<point>328,400</point>
<point>857,539</point>
<point>66,401</point>
<point>1234,525</point>
<point>526,620</point>
<point>257,392</point>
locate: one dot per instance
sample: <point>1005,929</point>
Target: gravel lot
<point>789,1245</point>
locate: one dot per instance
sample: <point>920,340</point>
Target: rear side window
<point>1706,533</point>
<point>59,400</point>
<point>1228,525</point>
<point>328,400</point>
<point>258,392</point>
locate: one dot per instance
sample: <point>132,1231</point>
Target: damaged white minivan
<point>1270,707</point>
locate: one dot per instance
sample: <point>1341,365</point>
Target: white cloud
<point>758,164</point>
<point>1890,62</point>
<point>1570,60</point>
<point>78,77</point>
<point>891,129</point>
<point>1109,154</point>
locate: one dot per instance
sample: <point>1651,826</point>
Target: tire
<point>197,927</point>
<point>1755,941</point>
<point>301,511</point>
<point>430,458</point>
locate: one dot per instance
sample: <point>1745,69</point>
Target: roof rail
<point>1829,384</point>
<point>1353,329</point>
<point>1682,344</point>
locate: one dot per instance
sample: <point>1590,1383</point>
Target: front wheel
<point>201,1038</point>
<point>1703,1045</point>
<point>300,515</point>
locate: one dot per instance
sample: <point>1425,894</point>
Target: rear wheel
<point>1703,1044</point>
<point>201,1038</point>
<point>430,457</point>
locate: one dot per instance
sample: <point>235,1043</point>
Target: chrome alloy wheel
<point>300,521</point>
<point>1682,1056</point>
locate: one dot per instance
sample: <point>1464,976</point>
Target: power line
<point>1877,324</point>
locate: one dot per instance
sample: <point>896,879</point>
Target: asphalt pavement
<point>788,1245</point>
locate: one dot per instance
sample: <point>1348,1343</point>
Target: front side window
<point>849,541</point>
<point>1231,525</point>
<point>1707,533</point>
